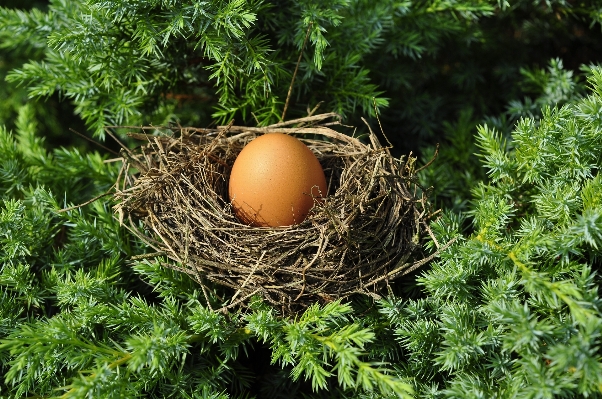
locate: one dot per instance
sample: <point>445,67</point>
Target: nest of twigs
<point>362,236</point>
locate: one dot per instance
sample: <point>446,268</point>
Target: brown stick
<point>94,141</point>
<point>119,142</point>
<point>290,89</point>
<point>431,161</point>
<point>85,203</point>
<point>307,119</point>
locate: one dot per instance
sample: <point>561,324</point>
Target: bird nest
<point>173,194</point>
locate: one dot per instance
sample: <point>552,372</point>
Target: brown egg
<point>274,181</point>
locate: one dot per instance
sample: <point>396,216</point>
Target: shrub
<point>511,309</point>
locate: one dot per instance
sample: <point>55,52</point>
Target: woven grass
<point>361,237</point>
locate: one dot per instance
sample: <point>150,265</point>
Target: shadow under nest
<point>364,234</point>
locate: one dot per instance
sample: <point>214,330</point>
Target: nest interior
<point>173,194</point>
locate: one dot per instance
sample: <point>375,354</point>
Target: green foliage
<point>513,309</point>
<point>16,48</point>
<point>457,166</point>
<point>510,310</point>
<point>319,337</point>
<point>155,61</point>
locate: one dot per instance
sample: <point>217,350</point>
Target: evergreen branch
<point>563,290</point>
<point>348,363</point>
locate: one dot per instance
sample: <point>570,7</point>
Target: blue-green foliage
<point>458,166</point>
<point>420,63</point>
<point>111,58</point>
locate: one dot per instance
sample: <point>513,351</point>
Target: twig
<point>312,111</point>
<point>119,142</point>
<point>225,308</point>
<point>146,256</point>
<point>85,203</point>
<point>290,89</point>
<point>113,160</point>
<point>379,124</point>
<point>324,131</point>
<point>431,161</point>
<point>323,240</point>
<point>428,229</point>
<point>306,119</point>
<point>93,141</point>
<point>248,277</point>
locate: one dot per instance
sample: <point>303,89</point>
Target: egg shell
<point>274,181</point>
